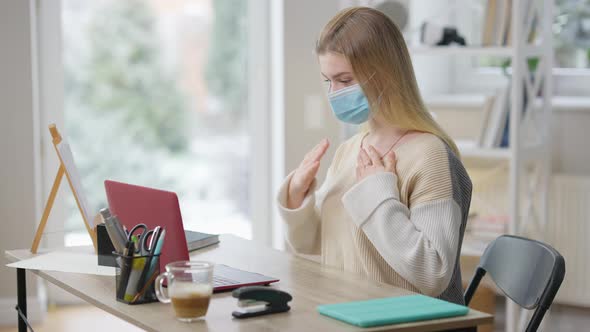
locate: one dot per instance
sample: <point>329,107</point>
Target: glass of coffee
<point>190,285</point>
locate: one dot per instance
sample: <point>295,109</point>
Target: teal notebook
<point>392,310</point>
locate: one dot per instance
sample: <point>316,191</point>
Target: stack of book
<point>198,240</point>
<point>494,128</point>
<point>497,28</point>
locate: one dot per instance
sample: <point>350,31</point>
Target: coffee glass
<point>190,285</point>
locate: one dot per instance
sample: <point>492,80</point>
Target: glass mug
<point>190,285</point>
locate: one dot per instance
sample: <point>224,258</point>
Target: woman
<point>396,197</point>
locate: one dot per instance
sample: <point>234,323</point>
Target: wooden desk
<point>310,284</point>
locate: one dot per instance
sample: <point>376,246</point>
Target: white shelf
<point>473,247</point>
<point>477,100</point>
<point>468,250</point>
<point>469,149</point>
<point>461,50</point>
<point>455,100</point>
<point>498,51</point>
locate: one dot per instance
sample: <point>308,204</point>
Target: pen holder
<point>135,277</point>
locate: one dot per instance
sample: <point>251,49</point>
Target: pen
<point>150,250</point>
<point>125,269</point>
<point>157,250</point>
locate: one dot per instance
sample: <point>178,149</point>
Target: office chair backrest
<point>527,271</point>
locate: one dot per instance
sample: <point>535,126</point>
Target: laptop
<point>153,207</point>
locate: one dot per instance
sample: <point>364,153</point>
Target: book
<point>392,310</point>
<point>497,26</point>
<point>497,118</point>
<point>487,38</point>
<point>198,240</point>
<point>505,115</point>
<point>501,22</point>
<point>531,17</point>
<point>508,24</point>
<point>487,109</point>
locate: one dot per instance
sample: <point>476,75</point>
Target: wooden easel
<point>60,173</point>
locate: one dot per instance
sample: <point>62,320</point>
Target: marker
<point>117,239</point>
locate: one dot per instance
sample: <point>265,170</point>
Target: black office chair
<point>528,272</point>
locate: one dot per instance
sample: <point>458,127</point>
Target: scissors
<point>144,234</point>
<point>155,248</point>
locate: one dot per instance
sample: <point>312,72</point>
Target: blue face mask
<point>350,104</point>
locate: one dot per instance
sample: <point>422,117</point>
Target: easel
<point>57,139</point>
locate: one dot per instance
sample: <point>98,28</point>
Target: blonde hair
<point>380,61</point>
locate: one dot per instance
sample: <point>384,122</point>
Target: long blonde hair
<point>380,61</point>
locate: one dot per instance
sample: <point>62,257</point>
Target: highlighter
<point>136,268</point>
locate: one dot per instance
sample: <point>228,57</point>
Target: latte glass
<point>190,286</point>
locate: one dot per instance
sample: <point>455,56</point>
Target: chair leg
<point>479,273</point>
<point>536,319</point>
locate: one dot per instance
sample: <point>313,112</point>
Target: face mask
<point>350,104</point>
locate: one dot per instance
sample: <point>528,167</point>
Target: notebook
<point>198,240</point>
<point>392,310</point>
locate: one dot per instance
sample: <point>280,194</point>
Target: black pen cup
<point>135,275</point>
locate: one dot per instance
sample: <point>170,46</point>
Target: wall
<point>19,145</point>
<point>308,118</point>
<point>301,115</point>
<point>570,137</point>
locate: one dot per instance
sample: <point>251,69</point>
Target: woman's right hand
<point>305,174</point>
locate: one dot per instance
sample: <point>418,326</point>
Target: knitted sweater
<point>403,229</point>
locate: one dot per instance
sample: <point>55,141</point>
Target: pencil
<point>145,287</point>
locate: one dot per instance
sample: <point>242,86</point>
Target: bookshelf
<point>527,156</point>
<point>461,50</point>
<point>501,51</point>
<point>470,150</point>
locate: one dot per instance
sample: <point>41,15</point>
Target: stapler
<point>260,300</point>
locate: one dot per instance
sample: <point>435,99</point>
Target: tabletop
<point>309,282</point>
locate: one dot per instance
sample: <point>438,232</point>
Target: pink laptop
<point>140,205</point>
<point>153,207</point>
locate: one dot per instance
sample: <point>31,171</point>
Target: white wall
<point>570,141</point>
<point>304,128</point>
<point>19,146</point>
<point>301,114</point>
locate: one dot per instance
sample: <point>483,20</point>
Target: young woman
<point>396,197</point>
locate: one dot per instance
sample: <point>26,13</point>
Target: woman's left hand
<point>369,163</point>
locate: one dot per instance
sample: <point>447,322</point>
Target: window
<point>572,34</point>
<point>156,94</point>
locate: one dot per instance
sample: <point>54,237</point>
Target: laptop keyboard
<point>219,281</point>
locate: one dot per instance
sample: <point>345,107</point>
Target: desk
<point>310,284</point>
